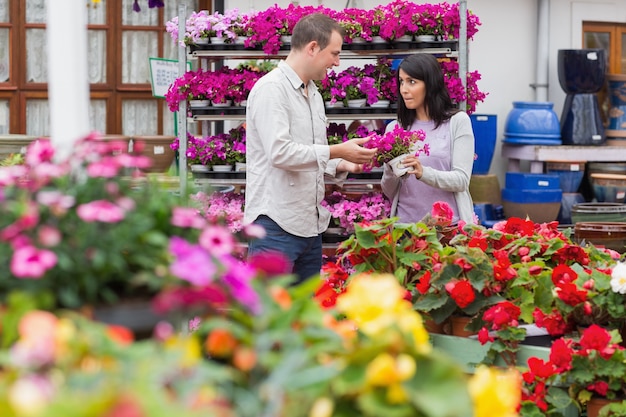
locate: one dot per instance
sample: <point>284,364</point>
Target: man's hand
<point>346,166</point>
<point>352,151</point>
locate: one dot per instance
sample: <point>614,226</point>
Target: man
<point>287,152</point>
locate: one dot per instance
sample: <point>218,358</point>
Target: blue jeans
<point>304,253</point>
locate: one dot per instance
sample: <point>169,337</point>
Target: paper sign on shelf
<point>163,72</point>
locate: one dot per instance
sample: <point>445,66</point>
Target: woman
<point>444,174</point>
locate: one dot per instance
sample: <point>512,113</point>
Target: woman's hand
<point>415,164</point>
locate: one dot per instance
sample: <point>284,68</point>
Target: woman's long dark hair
<point>437,101</point>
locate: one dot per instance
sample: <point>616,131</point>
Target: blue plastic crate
<point>531,181</point>
<point>547,195</point>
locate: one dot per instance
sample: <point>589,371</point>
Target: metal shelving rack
<point>217,56</point>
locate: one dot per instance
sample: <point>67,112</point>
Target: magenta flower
<point>100,211</point>
<point>30,262</point>
<point>192,263</point>
<point>39,151</point>
<point>238,278</point>
<point>217,240</point>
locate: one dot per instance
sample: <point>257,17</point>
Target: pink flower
<point>107,167</point>
<point>100,211</point>
<point>217,240</point>
<point>30,262</point>
<point>187,217</point>
<point>191,263</point>
<point>49,236</point>
<point>39,151</point>
<point>442,213</point>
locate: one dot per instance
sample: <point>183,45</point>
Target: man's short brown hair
<point>314,27</point>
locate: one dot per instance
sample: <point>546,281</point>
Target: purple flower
<point>192,263</point>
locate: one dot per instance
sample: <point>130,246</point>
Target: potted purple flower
<point>346,212</point>
<point>395,145</point>
<point>354,87</point>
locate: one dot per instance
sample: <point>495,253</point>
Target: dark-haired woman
<point>444,174</point>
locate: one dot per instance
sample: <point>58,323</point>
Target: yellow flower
<point>188,345</point>
<point>372,302</point>
<point>411,322</point>
<point>495,393</point>
<point>387,371</point>
<point>323,407</point>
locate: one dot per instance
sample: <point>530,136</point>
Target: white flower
<point>618,278</point>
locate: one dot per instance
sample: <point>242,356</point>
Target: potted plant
<point>354,87</point>
<point>192,85</point>
<point>221,208</point>
<point>385,82</point>
<point>345,212</point>
<point>579,370</point>
<point>394,145</point>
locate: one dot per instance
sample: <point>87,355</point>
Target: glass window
<point>139,117</point>
<point>5,116</point>
<point>98,115</point>
<point>5,57</point>
<point>97,13</point>
<point>137,48</point>
<point>36,56</point>
<point>597,40</point>
<point>97,56</point>
<point>4,11</point>
<point>146,17</point>
<point>38,118</point>
<point>35,11</point>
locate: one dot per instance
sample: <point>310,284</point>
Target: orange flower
<point>281,296</point>
<point>244,358</point>
<point>120,334</point>
<point>220,343</point>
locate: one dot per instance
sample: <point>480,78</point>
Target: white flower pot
<point>227,103</point>
<point>222,168</point>
<point>199,103</point>
<point>336,104</point>
<point>397,166</point>
<point>240,167</point>
<point>199,168</point>
<point>356,103</point>
<point>425,38</point>
<point>381,104</point>
<point>202,41</point>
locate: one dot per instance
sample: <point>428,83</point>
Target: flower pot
<point>396,165</point>
<point>222,168</point>
<point>202,41</point>
<point>458,326</point>
<point>595,404</point>
<point>226,103</point>
<point>199,168</point>
<point>617,112</point>
<point>157,148</point>
<point>199,103</point>
<point>336,104</point>
<point>381,104</point>
<point>357,103</point>
<point>425,38</point>
<point>240,167</point>
<point>532,123</point>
